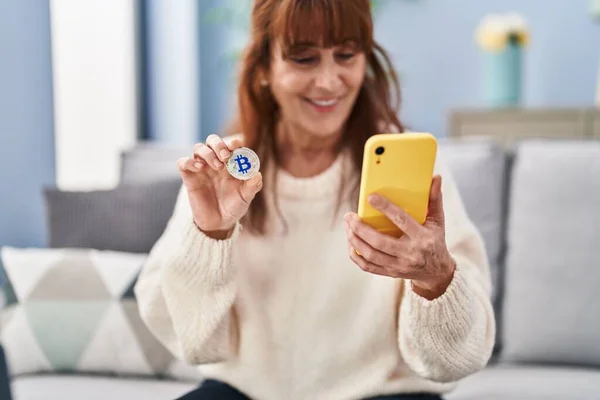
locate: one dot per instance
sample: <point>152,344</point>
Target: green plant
<point>237,16</point>
<point>375,5</point>
<point>595,9</point>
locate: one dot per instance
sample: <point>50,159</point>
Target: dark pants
<point>4,379</point>
<point>214,390</point>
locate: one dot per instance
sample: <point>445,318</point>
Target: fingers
<point>216,151</point>
<point>250,187</point>
<point>377,240</point>
<point>435,210</point>
<point>233,142</point>
<point>397,215</point>
<point>219,147</point>
<point>436,188</point>
<point>364,264</point>
<point>207,154</point>
<point>369,253</point>
<point>189,164</point>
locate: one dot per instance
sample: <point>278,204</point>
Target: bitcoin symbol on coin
<point>243,164</point>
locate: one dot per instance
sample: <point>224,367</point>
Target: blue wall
<point>561,70</point>
<point>172,71</point>
<point>189,90</point>
<point>217,67</point>
<point>26,121</point>
<point>432,44</point>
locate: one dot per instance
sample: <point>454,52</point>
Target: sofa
<point>536,204</point>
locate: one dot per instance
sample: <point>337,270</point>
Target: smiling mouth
<point>324,104</point>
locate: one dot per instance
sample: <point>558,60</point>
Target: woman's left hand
<point>420,254</point>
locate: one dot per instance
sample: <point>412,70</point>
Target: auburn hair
<point>328,23</point>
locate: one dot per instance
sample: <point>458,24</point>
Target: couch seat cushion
<point>503,382</point>
<point>67,387</point>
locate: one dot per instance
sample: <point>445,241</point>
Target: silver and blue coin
<point>243,164</point>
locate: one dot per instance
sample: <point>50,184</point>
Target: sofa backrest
<point>537,208</point>
<point>148,162</point>
<point>479,167</point>
<point>551,312</point>
<point>477,164</point>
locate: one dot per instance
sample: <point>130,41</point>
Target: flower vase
<point>503,75</point>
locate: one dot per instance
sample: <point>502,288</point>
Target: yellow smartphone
<point>400,167</point>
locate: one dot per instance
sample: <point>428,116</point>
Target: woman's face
<point>316,87</point>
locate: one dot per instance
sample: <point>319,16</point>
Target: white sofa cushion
<point>67,387</point>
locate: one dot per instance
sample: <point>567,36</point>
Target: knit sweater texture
<point>288,315</point>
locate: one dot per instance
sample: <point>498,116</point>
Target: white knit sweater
<point>291,317</point>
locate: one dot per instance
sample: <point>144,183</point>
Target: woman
<point>260,284</point>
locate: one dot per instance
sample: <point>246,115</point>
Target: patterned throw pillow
<point>73,310</point>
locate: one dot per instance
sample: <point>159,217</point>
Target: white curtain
<point>95,90</point>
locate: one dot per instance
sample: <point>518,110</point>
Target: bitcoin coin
<point>243,163</point>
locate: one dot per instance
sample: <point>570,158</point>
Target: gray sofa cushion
<point>129,218</point>
<point>149,162</point>
<point>479,169</point>
<point>479,166</point>
<point>67,387</point>
<point>551,308</point>
<point>505,382</point>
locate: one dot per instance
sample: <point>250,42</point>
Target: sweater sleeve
<point>187,288</point>
<point>451,337</point>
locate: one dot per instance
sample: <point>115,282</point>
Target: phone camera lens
<point>379,151</point>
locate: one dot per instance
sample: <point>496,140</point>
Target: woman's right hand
<point>217,199</point>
